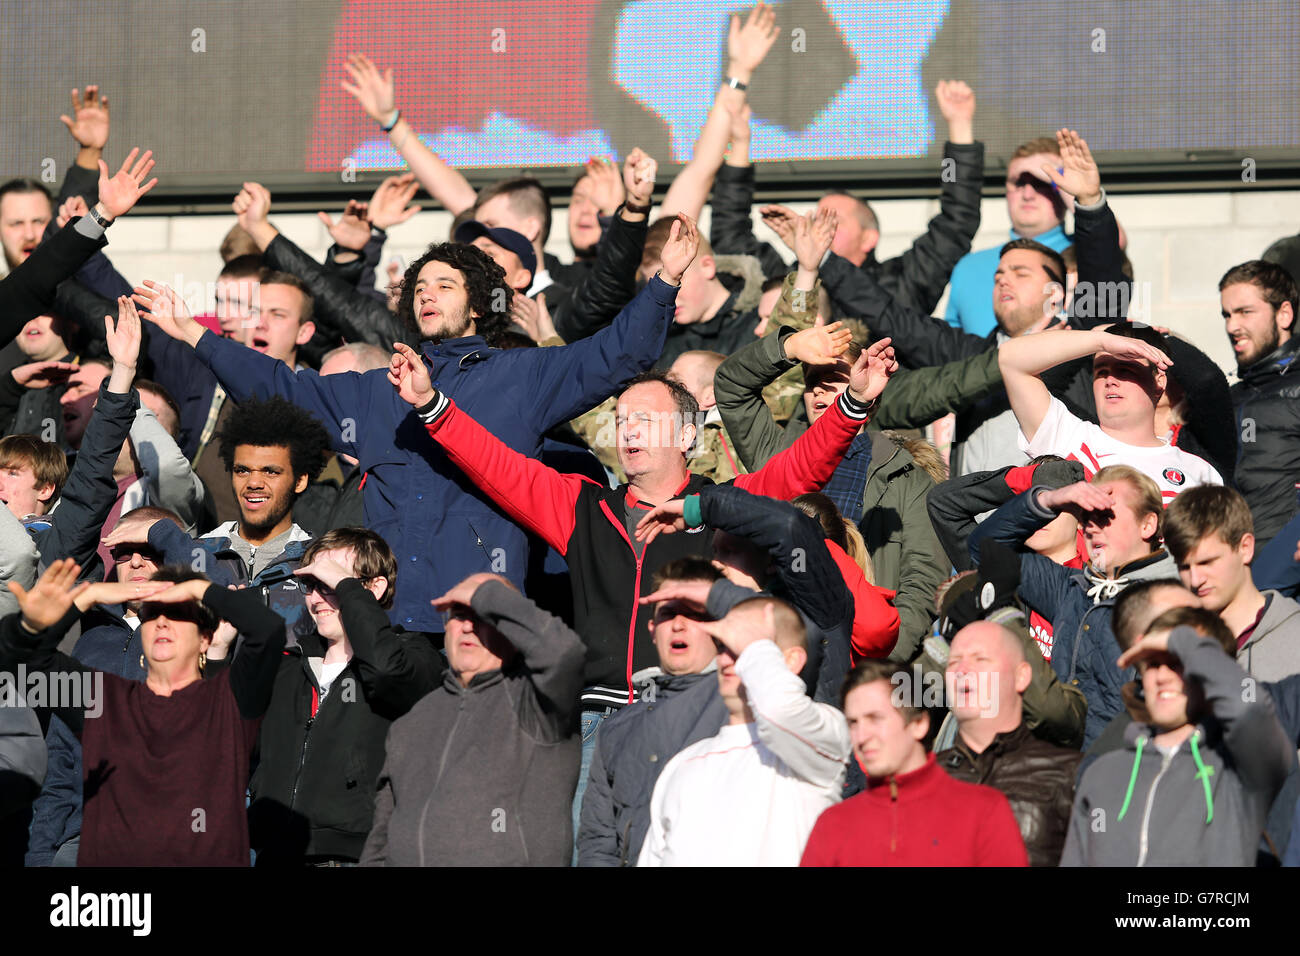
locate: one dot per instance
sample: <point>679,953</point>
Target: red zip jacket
<point>583,521</point>
<point>922,818</point>
<point>875,619</point>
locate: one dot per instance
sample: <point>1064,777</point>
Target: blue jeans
<point>591,721</point>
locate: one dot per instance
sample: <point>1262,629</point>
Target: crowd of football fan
<point>642,559</point>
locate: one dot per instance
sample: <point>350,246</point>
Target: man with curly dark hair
<point>437,523</point>
<point>273,451</point>
<point>461,291</point>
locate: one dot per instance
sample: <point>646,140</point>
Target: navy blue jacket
<point>439,525</point>
<point>1085,649</point>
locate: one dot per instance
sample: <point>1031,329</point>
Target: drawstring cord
<point>1132,780</point>
<point>1203,773</point>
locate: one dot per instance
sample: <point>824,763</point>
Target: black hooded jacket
<point>313,792</point>
<point>1267,405</point>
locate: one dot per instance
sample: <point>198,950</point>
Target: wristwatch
<point>103,223</point>
<point>735,84</point>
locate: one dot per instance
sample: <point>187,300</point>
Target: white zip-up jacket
<point>750,795</point>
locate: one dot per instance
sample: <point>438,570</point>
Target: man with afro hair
<point>273,450</point>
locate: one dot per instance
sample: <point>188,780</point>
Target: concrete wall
<point>1180,245</point>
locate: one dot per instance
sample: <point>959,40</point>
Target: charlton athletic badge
<point>1174,477</point>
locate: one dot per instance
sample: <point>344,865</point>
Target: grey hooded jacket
<point>1203,805</point>
<point>1273,651</point>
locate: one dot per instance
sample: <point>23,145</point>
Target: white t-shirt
<point>1172,469</point>
<point>733,800</point>
<point>328,674</point>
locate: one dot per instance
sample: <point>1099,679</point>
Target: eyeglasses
<point>310,584</point>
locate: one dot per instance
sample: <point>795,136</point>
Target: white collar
<point>541,280</point>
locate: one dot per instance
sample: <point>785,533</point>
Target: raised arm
<point>747,45</point>
<point>812,739</point>
<point>551,651</point>
<point>167,473</point>
<point>1023,361</point>
<point>600,295</point>
<point>252,673</point>
<point>809,463</point>
<point>954,505</point>
<point>88,494</point>
<point>396,669</point>
<point>536,497</point>
<point>923,270</point>
<point>919,339</point>
<point>31,636</point>
<point>1260,750</point>
<point>739,382</point>
<point>245,373</point>
<point>29,290</point>
<point>341,311</point>
<point>573,379</point>
<point>796,545</point>
<point>377,94</point>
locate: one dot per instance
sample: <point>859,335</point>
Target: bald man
<point>986,675</point>
<point>750,795</point>
<point>713,455</point>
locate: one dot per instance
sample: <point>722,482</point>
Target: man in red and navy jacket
<point>594,527</point>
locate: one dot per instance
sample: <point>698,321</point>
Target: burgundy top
<point>165,777</point>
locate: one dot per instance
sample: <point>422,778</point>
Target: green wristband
<point>691,512</point>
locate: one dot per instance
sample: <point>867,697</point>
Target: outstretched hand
<point>1079,175</point>
<point>1135,350</point>
<point>694,593</point>
<point>352,231</point>
<point>408,374</point>
<point>182,592</point>
<point>872,371</point>
<point>167,311</point>
<point>43,374</point>
<point>1149,647</point>
<point>748,43</point>
<point>781,220</point>
<point>1078,499</point>
<point>391,203</point>
<point>680,249</point>
<point>325,570</point>
<point>124,340</point>
<point>607,187</point>
<point>813,235</point>
<point>119,194</point>
<point>51,596</point>
<point>375,91</point>
<point>89,121</point>
<point>662,519</point>
<point>819,345</point>
<point>463,593</point>
<point>533,317</point>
